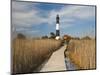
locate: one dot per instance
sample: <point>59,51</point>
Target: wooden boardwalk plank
<point>56,62</point>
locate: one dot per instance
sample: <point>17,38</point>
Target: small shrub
<point>21,36</point>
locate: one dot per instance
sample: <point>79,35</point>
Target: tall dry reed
<point>82,53</point>
<point>28,55</point>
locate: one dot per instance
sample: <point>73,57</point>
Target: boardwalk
<point>56,62</point>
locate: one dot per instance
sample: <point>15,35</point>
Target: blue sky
<point>39,19</point>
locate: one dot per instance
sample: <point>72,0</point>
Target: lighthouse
<point>57,28</point>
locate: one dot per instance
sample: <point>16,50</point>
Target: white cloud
<point>22,15</point>
<point>70,14</point>
<point>26,30</point>
<point>27,18</point>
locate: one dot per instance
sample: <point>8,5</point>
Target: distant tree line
<point>86,38</point>
<point>52,36</point>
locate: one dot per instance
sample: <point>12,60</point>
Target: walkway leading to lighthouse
<point>56,62</point>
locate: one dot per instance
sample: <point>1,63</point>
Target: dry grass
<point>28,55</point>
<point>82,53</point>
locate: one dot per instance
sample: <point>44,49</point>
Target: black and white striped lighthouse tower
<point>57,27</point>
